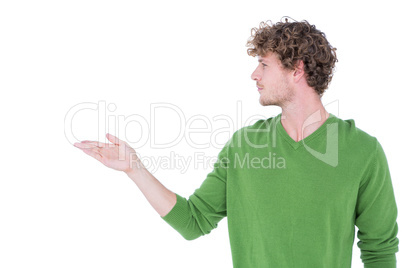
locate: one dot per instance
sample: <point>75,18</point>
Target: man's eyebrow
<point>260,60</point>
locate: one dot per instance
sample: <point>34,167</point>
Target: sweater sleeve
<point>376,214</point>
<point>203,210</point>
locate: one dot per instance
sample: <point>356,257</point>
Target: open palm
<point>117,155</point>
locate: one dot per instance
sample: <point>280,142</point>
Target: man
<point>293,186</point>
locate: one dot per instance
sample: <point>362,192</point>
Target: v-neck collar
<point>297,144</point>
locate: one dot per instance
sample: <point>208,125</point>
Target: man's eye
<point>264,65</point>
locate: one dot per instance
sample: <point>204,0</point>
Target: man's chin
<point>265,102</point>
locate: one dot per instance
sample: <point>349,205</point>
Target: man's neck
<point>301,120</point>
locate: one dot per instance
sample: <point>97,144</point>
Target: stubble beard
<point>281,96</point>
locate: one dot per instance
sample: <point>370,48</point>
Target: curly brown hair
<point>295,41</point>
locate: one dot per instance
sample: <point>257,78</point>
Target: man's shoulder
<point>261,124</point>
<point>348,130</point>
<point>353,136</point>
<point>350,134</point>
<point>255,133</point>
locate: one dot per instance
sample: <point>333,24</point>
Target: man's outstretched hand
<point>117,155</point>
<point>120,156</point>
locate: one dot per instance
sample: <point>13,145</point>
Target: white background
<point>61,208</point>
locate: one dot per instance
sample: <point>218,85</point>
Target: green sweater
<point>296,204</point>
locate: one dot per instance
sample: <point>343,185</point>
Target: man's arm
<point>201,212</point>
<point>191,218</point>
<point>160,198</point>
<point>120,156</point>
<point>376,214</point>
<point>195,216</point>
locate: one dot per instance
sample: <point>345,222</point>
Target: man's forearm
<point>160,198</point>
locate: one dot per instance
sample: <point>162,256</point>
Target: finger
<point>84,145</point>
<point>93,148</point>
<point>114,139</point>
<point>89,147</point>
<point>96,143</point>
<point>94,154</point>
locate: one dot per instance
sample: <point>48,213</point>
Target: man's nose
<point>255,75</point>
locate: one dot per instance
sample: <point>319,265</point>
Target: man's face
<point>273,81</point>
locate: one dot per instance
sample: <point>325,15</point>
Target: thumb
<point>113,139</point>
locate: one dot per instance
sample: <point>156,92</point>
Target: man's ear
<point>298,72</point>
